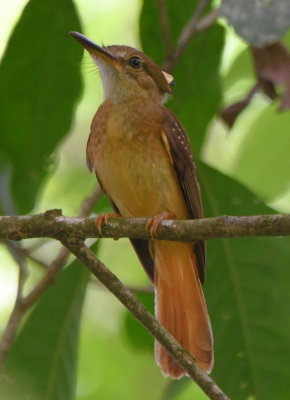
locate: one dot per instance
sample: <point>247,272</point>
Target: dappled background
<point>48,95</point>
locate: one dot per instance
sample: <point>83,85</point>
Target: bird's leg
<point>105,217</point>
<point>155,221</point>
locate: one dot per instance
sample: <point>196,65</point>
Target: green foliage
<point>258,22</point>
<point>136,333</point>
<point>264,148</point>
<point>175,388</point>
<point>42,361</point>
<point>39,85</point>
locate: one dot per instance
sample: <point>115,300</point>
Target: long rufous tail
<point>180,306</point>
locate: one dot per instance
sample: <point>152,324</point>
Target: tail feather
<point>180,306</point>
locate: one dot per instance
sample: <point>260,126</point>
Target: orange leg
<point>155,221</point>
<point>105,217</point>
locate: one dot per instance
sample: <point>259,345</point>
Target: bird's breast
<point>135,170</point>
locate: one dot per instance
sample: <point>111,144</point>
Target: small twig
<point>19,255</point>
<point>194,27</point>
<point>115,286</point>
<point>37,261</point>
<point>10,330</point>
<point>169,45</point>
<point>207,21</point>
<point>190,28</point>
<point>24,252</point>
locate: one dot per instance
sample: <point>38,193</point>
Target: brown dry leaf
<point>230,113</point>
<point>272,63</point>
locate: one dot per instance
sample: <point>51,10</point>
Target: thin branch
<point>10,331</point>
<point>17,311</point>
<point>52,224</point>
<point>115,286</point>
<point>22,304</point>
<point>190,28</point>
<point>25,252</point>
<point>207,21</point>
<point>194,27</point>
<point>40,263</point>
<point>19,255</point>
<point>169,45</point>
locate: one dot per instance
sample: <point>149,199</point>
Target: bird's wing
<point>178,147</point>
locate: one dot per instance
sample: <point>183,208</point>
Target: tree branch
<point>115,286</point>
<point>52,224</point>
<point>194,27</point>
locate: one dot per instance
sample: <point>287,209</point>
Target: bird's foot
<point>155,221</point>
<point>105,217</point>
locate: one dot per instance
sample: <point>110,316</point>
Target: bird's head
<point>128,73</point>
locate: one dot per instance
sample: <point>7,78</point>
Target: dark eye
<point>135,62</point>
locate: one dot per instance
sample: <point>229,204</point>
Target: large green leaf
<point>138,336</point>
<point>42,361</point>
<point>39,85</point>
<point>265,146</point>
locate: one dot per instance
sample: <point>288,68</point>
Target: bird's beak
<point>93,48</point>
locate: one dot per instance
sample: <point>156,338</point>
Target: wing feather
<point>178,147</point>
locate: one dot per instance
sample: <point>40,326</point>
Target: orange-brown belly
<point>138,176</point>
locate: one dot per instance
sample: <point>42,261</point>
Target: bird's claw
<point>105,218</point>
<point>154,222</point>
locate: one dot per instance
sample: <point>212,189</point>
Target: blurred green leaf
<point>197,72</point>
<point>42,362</point>
<point>258,22</point>
<point>247,294</point>
<point>241,72</point>
<point>135,332</point>
<point>174,388</point>
<point>39,85</point>
<point>263,162</point>
<point>109,368</point>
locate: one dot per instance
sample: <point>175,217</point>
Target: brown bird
<point>141,155</point>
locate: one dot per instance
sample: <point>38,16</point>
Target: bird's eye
<point>135,62</point>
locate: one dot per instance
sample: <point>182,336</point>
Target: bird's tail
<point>180,306</point>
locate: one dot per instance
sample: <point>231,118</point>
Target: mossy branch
<point>52,224</point>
